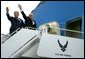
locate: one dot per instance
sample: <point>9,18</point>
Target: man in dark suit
<point>15,21</point>
<point>28,19</point>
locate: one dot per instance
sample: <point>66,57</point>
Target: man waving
<point>16,22</point>
<point>28,19</point>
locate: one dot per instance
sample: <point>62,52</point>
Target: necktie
<point>19,20</point>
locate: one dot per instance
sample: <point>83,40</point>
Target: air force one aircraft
<point>60,33</point>
<point>27,43</point>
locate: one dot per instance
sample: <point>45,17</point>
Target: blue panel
<point>60,11</point>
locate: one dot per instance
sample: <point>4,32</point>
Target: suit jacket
<point>28,21</point>
<point>15,23</point>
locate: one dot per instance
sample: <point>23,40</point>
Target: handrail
<point>39,30</point>
<point>10,35</point>
<point>16,32</point>
<point>69,30</point>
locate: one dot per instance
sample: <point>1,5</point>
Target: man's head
<point>16,13</point>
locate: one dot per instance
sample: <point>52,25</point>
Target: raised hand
<point>7,9</point>
<point>20,7</point>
